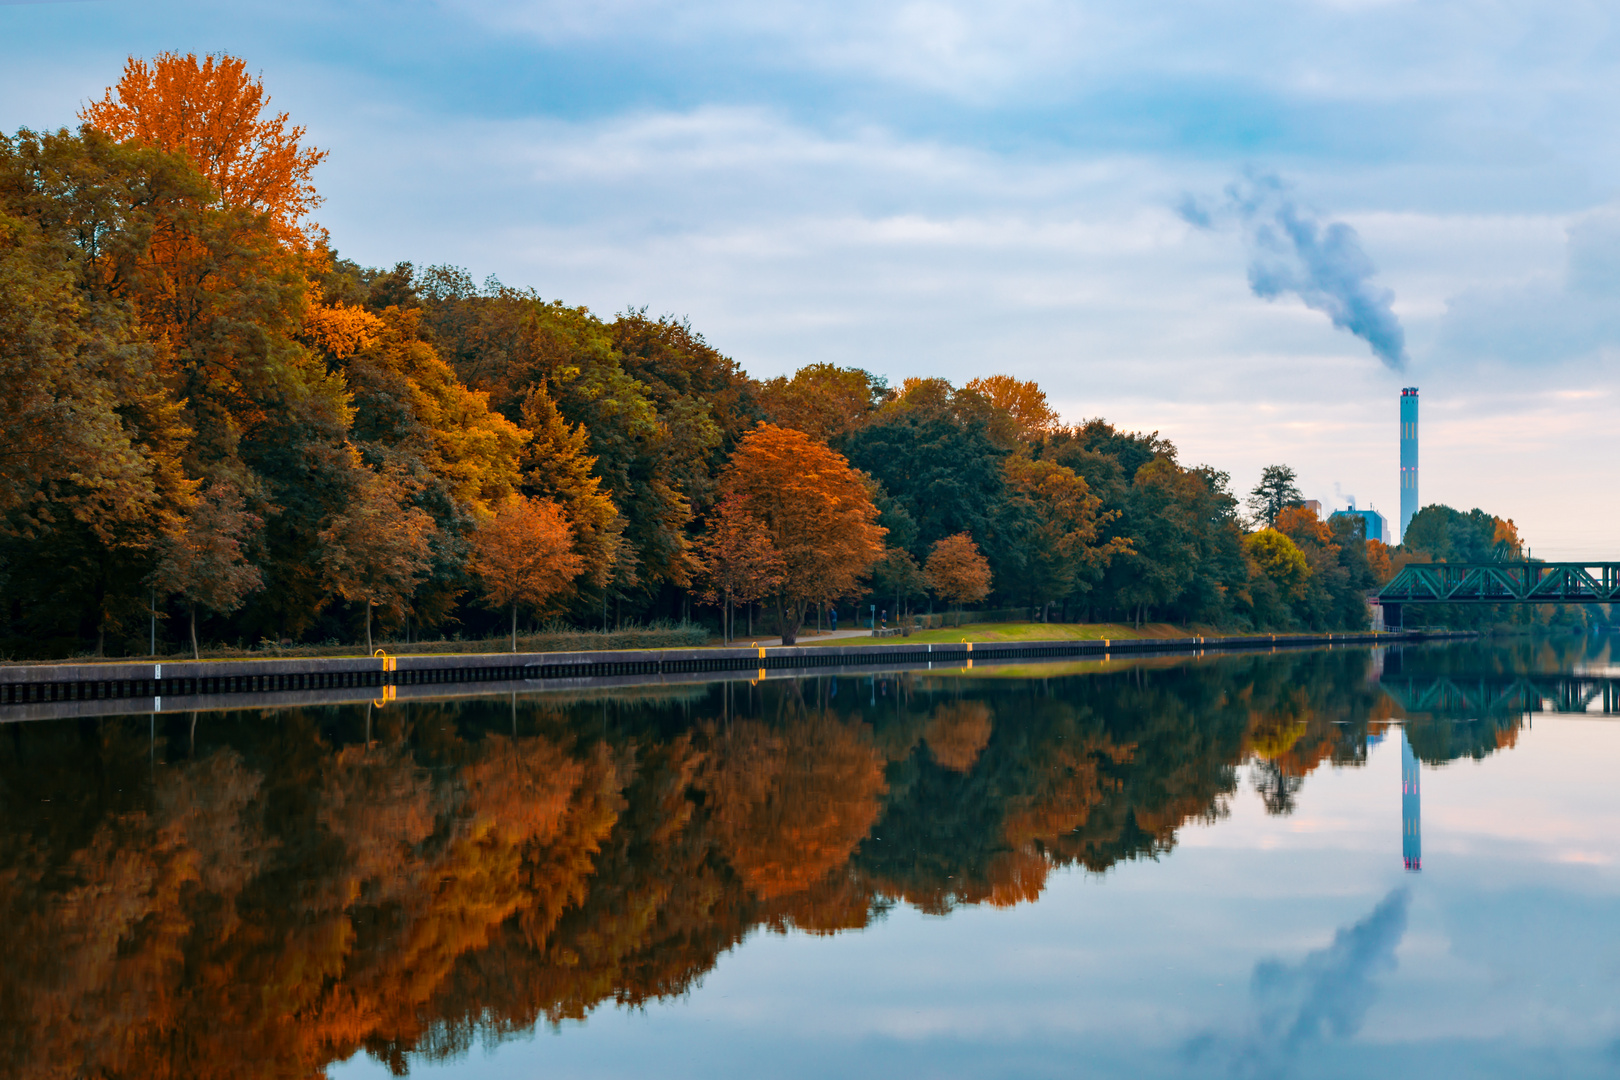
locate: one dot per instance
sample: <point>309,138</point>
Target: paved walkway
<point>809,637</point>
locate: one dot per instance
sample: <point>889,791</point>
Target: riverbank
<point>55,690</point>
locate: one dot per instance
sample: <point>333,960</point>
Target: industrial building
<point>1373,524</point>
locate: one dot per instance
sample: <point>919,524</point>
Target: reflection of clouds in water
<point>1325,996</point>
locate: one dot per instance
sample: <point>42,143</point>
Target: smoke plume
<point>1292,251</point>
<point>1301,1007</point>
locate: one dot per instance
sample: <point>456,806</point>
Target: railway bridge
<point>1500,583</point>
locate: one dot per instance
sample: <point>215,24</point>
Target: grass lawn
<point>1024,631</point>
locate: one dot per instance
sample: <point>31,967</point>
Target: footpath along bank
<point>45,691</point>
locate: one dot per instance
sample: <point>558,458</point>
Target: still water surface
<point>1179,868</point>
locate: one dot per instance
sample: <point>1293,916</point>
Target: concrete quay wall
<point>41,691</point>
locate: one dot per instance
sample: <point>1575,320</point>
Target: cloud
<point>1547,317</point>
<point>1292,252</point>
<point>1324,997</point>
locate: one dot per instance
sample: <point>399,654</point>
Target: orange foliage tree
<point>211,110</point>
<point>524,555</point>
<point>957,571</point>
<point>816,510</point>
<point>739,563</point>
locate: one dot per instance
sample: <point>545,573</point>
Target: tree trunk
<point>750,618</point>
<point>368,626</point>
<point>790,630</point>
<point>196,654</point>
<point>514,626</point>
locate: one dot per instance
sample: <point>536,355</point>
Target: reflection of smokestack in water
<point>1411,808</point>
<point>1409,457</point>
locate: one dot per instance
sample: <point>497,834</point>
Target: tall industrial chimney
<point>1409,457</point>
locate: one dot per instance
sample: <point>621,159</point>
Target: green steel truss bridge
<point>1504,583</point>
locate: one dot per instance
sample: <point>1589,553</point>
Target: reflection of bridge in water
<point>1437,709</point>
<point>1470,696</point>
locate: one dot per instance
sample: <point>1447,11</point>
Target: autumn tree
<point>74,374</point>
<point>1024,400</point>
<point>213,112</point>
<point>957,572</point>
<point>412,410</point>
<point>200,558</point>
<point>378,548</point>
<point>739,563</point>
<point>1378,561</point>
<point>824,401</point>
<point>1277,562</point>
<point>816,510</point>
<point>524,555</point>
<point>557,465</point>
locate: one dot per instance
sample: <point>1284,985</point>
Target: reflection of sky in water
<point>1261,946</point>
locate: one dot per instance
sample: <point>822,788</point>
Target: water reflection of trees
<point>283,893</point>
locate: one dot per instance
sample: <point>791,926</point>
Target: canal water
<point>1331,863</point>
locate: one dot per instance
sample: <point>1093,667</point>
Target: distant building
<point>1374,527</point>
<point>1314,506</point>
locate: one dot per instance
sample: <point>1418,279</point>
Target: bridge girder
<point>1504,583</point>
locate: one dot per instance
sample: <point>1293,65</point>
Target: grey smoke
<point>1323,998</point>
<point>1292,251</point>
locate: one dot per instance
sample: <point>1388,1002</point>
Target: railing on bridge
<point>1504,583</point>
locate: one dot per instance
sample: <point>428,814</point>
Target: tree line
<point>219,427</point>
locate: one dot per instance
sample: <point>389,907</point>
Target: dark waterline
<point>1175,867</point>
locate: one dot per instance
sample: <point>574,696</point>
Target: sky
<point>1245,225</point>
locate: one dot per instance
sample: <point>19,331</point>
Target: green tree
<point>1048,532</point>
<point>941,463</point>
<point>201,557</point>
<point>1275,492</point>
<point>378,549</point>
<point>898,575</point>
